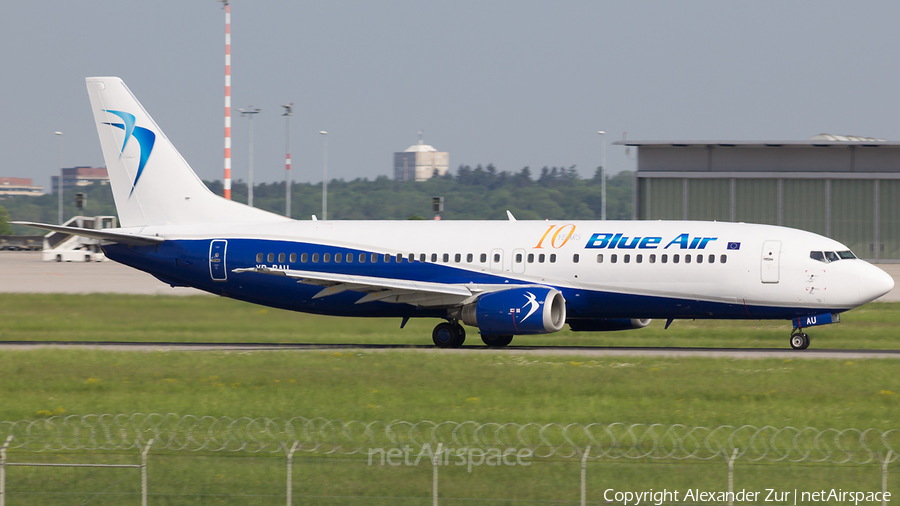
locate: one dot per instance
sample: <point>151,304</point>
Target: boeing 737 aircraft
<point>505,278</point>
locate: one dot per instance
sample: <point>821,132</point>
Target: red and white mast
<point>227,184</point>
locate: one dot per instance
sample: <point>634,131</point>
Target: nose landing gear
<point>799,341</point>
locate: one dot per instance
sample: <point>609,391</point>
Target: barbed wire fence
<point>593,442</point>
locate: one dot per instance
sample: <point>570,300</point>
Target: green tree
<point>5,228</point>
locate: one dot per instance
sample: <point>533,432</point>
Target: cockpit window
<point>831,256</point>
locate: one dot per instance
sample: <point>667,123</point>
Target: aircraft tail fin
<point>152,184</point>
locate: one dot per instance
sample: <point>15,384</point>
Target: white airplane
<point>505,278</point>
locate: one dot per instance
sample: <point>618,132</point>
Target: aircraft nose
<point>874,282</point>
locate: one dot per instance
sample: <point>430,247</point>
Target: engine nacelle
<point>607,324</point>
<point>517,311</point>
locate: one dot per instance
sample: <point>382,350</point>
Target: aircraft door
<point>497,260</point>
<point>518,261</point>
<point>769,266</point>
<point>217,269</point>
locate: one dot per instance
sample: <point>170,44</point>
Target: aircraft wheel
<point>447,335</point>
<point>461,332</point>
<point>799,341</point>
<point>496,341</point>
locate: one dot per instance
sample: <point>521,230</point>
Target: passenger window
<point>259,257</point>
<point>613,258</point>
<point>270,257</point>
<point>712,259</point>
<point>541,258</point>
<point>374,258</point>
<point>496,257</point>
<point>338,258</point>
<point>349,258</point>
<point>304,257</point>
<point>422,257</point>
<point>446,257</point>
<point>640,258</point>
<point>387,258</point>
<point>362,258</point>
<point>552,258</point>
<point>531,258</point>
<point>469,258</point>
<point>687,259</point>
<point>722,259</point>
<point>434,257</point>
<point>665,258</point>
<point>653,258</point>
<point>518,258</point>
<point>315,258</point>
<point>281,258</point>
<point>326,258</point>
<point>600,258</point>
<point>293,258</point>
<point>575,258</point>
<point>399,257</point>
<point>457,258</point>
<point>831,256</point>
<point>675,258</point>
<point>627,258</point>
<point>412,257</point>
<point>483,257</point>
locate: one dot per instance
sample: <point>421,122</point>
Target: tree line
<point>479,193</point>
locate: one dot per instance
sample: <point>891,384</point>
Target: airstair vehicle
<point>63,247</point>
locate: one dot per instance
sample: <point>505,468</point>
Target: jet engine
<point>517,311</point>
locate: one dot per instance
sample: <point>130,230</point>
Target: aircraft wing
<point>103,234</point>
<point>417,293</point>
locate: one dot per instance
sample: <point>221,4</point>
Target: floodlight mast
<point>249,112</point>
<point>324,176</point>
<point>59,184</point>
<point>602,175</point>
<point>288,112</point>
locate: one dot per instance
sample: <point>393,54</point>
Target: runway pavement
<point>24,272</point>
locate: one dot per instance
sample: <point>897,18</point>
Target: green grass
<point>109,317</point>
<point>419,385</point>
<point>425,385</point>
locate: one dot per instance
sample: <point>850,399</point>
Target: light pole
<point>288,112</point>
<point>249,112</point>
<point>602,174</point>
<point>324,176</point>
<point>59,184</point>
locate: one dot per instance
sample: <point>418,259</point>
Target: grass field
<point>113,317</point>
<point>417,385</point>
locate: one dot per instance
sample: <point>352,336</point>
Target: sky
<point>513,83</point>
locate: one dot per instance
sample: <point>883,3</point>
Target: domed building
<point>420,162</point>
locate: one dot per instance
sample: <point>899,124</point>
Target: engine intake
<point>517,311</point>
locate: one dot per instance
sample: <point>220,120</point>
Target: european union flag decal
<point>734,245</point>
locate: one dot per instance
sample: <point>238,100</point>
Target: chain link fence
<point>578,443</point>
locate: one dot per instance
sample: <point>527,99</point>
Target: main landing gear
<point>448,335</point>
<point>799,340</point>
<point>496,341</point>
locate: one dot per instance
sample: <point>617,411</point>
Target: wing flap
<point>401,291</point>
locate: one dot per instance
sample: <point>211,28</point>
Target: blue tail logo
<point>145,138</point>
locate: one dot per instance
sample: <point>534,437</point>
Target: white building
<point>419,162</point>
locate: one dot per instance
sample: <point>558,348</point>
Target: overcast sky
<point>511,82</point>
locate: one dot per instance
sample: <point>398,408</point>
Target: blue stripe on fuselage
<point>186,262</point>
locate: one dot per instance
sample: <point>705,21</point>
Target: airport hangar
<point>846,188</point>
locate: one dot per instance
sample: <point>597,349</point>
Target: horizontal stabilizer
<point>103,235</point>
